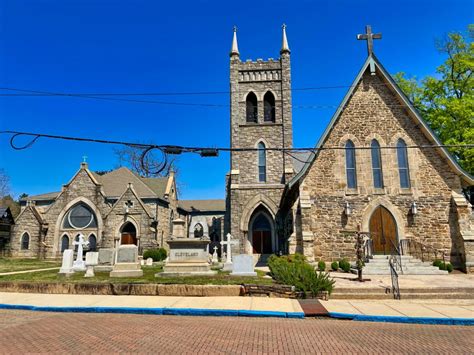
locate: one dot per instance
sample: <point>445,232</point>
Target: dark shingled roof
<point>115,182</point>
<point>202,205</point>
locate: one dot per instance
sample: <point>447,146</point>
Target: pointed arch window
<point>64,243</point>
<point>92,243</point>
<point>376,164</point>
<point>403,169</point>
<point>251,107</point>
<point>80,216</point>
<point>25,241</point>
<point>269,107</point>
<point>351,173</point>
<point>198,230</point>
<point>262,162</point>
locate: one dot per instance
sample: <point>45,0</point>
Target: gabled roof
<point>115,183</point>
<point>414,114</point>
<point>202,205</point>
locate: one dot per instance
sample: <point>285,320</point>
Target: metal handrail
<point>394,277</point>
<point>396,255</point>
<point>421,251</point>
<point>368,249</point>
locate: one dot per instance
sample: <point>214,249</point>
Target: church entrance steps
<point>379,265</point>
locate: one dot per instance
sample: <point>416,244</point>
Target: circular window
<point>80,217</point>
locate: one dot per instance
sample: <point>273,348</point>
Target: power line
<point>177,149</point>
<point>34,93</point>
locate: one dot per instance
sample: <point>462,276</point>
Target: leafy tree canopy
<point>446,100</point>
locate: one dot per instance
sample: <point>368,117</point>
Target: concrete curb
<point>398,319</point>
<point>158,311</point>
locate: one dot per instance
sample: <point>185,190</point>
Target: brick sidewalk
<point>25,331</point>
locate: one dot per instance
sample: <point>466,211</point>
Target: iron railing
<point>421,251</point>
<point>396,256</point>
<point>394,277</point>
<point>368,249</point>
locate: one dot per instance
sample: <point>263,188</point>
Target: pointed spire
<point>284,42</point>
<point>235,47</point>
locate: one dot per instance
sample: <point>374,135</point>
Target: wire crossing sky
<point>119,55</point>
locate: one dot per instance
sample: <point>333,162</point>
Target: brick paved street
<point>27,331</point>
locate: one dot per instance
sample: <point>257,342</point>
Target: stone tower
<point>260,114</point>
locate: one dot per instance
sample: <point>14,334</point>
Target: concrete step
<point>404,296</point>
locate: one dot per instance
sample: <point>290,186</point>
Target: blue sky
<point>118,46</point>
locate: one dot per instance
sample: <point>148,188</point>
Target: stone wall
<point>374,112</point>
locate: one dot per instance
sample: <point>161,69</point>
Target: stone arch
<point>340,162</point>
<point>250,207</point>
<point>195,220</point>
<point>62,240</point>
<point>25,241</point>
<point>394,210</point>
<point>413,159</point>
<point>266,242</point>
<point>124,222</point>
<point>69,205</point>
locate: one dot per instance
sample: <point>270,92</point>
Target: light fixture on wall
<point>413,208</point>
<point>347,209</point>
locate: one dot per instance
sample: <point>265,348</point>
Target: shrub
<point>442,266</point>
<point>449,267</point>
<point>156,254</point>
<point>335,266</point>
<point>437,263</point>
<point>296,271</point>
<point>321,266</point>
<point>345,265</point>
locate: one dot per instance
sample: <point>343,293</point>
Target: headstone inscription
<point>127,264</point>
<point>106,260</point>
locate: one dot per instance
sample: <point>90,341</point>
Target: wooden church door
<point>383,230</point>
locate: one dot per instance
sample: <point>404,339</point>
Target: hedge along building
<point>394,193</point>
<point>117,206</point>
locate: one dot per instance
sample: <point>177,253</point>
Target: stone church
<point>366,172</point>
<point>116,207</point>
<point>311,203</point>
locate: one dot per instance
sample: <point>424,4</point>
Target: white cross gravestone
<point>228,243</point>
<point>68,261</point>
<point>79,264</point>
<point>92,259</point>
<point>214,256</point>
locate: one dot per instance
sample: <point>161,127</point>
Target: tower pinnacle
<point>284,42</point>
<point>235,47</point>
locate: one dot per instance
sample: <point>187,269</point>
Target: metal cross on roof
<point>369,37</point>
<point>84,158</point>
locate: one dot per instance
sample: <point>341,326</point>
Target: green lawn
<point>222,278</point>
<point>8,264</point>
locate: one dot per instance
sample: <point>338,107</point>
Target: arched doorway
<point>261,229</point>
<point>383,230</point>
<point>129,234</point>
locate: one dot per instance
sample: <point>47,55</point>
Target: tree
<point>154,163</point>
<point>446,101</point>
<point>8,201</point>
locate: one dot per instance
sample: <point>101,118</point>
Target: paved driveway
<point>26,331</point>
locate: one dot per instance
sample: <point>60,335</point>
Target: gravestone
<point>79,264</point>
<point>92,259</point>
<point>243,265</point>
<point>149,262</point>
<point>214,256</point>
<point>106,260</point>
<point>67,265</point>
<point>228,243</point>
<point>127,264</point>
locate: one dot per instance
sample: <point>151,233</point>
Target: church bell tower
<point>260,115</point>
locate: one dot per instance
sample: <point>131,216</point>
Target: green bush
<point>449,267</point>
<point>156,254</point>
<point>321,266</point>
<point>296,271</point>
<point>437,263</point>
<point>442,266</point>
<point>335,266</point>
<point>345,265</point>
